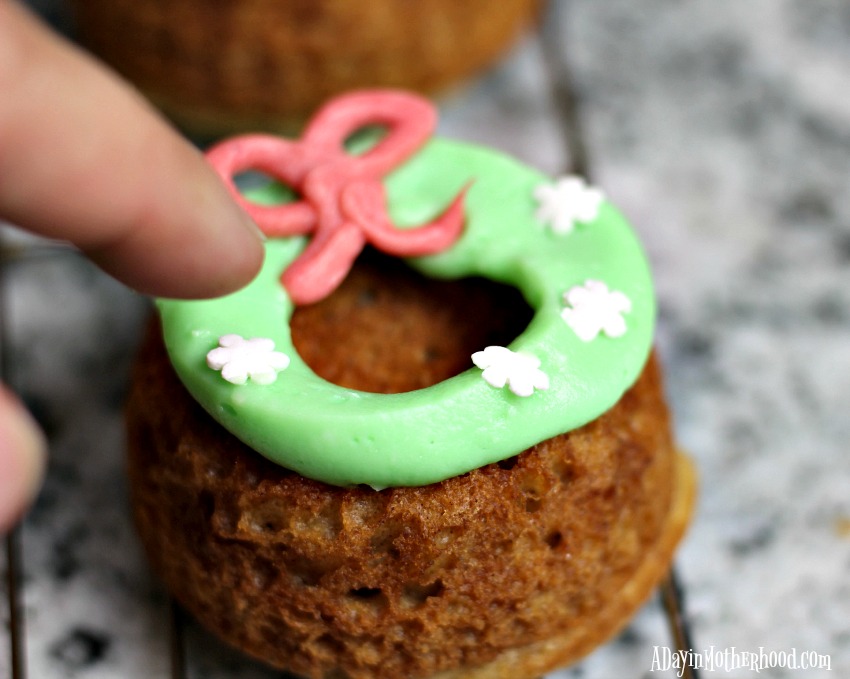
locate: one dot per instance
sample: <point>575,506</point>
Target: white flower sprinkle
<point>239,359</point>
<point>592,308</point>
<point>520,372</point>
<point>567,201</point>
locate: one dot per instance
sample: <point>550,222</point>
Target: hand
<point>84,159</point>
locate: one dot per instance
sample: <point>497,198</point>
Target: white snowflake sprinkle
<point>239,359</point>
<point>521,372</point>
<point>592,308</point>
<point>567,201</point>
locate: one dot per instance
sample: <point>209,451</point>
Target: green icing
<point>347,437</point>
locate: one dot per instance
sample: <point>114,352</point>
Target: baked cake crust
<point>510,570</point>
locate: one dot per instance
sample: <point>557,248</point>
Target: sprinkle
<point>567,201</point>
<point>239,359</point>
<point>520,372</point>
<point>592,308</point>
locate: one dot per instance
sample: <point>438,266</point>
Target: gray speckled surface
<point>722,128</point>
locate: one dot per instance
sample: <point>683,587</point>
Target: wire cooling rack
<point>567,107</point>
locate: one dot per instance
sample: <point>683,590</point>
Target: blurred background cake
<point>228,65</point>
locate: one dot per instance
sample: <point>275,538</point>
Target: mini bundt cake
<point>455,464</point>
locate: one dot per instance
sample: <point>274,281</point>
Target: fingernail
<point>232,208</point>
<point>23,452</point>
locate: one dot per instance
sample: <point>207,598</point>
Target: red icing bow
<point>343,204</point>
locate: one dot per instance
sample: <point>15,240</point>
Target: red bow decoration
<point>342,201</point>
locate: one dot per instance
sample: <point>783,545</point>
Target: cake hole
<point>564,471</point>
<point>266,518</point>
<point>373,598</point>
<point>508,464</point>
<point>554,539</point>
<point>365,593</point>
<point>533,485</point>
<point>533,504</point>
<point>415,595</point>
<point>414,332</point>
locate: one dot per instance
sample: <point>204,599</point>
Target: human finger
<point>85,159</point>
<point>22,459</point>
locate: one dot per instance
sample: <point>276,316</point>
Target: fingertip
<point>221,259</point>
<point>229,245</point>
<point>251,260</point>
<point>23,456</point>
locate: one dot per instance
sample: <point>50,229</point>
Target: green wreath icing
<point>346,437</point>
